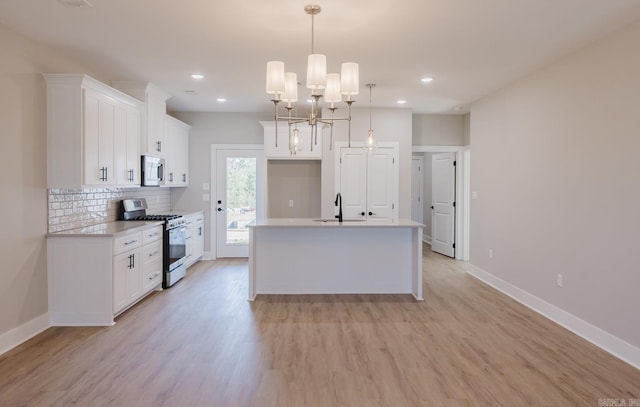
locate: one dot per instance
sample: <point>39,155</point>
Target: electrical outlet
<point>290,203</point>
<point>559,280</point>
<point>491,253</point>
<point>205,186</point>
<point>474,195</point>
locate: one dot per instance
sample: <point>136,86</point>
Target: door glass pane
<point>241,198</point>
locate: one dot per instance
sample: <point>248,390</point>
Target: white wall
<point>211,128</point>
<point>23,291</point>
<point>389,125</point>
<point>556,169</point>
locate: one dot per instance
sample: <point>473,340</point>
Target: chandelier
<point>284,88</point>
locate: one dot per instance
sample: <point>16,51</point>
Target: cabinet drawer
<point>126,242</point>
<point>151,235</point>
<point>152,252</point>
<point>152,275</point>
<point>194,220</point>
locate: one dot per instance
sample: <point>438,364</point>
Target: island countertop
<point>333,223</point>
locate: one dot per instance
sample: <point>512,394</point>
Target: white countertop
<point>107,229</point>
<point>333,223</point>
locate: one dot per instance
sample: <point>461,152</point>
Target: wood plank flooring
<point>201,343</point>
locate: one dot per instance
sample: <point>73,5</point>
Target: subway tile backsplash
<point>74,208</point>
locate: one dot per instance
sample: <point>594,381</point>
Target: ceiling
<point>470,47</point>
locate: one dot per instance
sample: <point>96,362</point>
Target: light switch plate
<point>205,197</point>
<point>205,186</point>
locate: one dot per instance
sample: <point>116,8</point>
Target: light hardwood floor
<point>201,343</point>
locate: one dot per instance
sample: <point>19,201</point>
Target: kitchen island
<point>315,256</point>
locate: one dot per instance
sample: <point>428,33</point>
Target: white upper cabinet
<point>177,162</point>
<point>153,141</point>
<point>127,145</point>
<point>368,182</point>
<point>279,147</point>
<point>93,134</point>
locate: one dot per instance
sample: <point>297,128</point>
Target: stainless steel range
<point>174,238</point>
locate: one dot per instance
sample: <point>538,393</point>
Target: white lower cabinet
<point>127,279</point>
<point>93,278</point>
<point>194,237</point>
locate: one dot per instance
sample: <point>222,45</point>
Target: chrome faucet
<point>336,203</point>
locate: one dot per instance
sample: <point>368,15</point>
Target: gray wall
<point>438,130</point>
<point>556,169</point>
<point>207,129</point>
<point>23,291</point>
<point>298,181</point>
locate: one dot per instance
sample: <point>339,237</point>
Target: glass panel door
<point>237,199</point>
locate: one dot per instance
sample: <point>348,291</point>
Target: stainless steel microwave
<point>152,171</point>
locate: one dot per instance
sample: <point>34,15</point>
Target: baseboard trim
<point>426,239</point>
<point>208,256</point>
<point>23,333</point>
<point>602,339</point>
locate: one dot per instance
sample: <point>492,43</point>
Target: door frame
<point>420,159</point>
<point>261,194</point>
<point>463,186</point>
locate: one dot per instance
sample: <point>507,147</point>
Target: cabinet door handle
<point>371,213</point>
<point>133,261</point>
<point>130,242</point>
<point>170,177</point>
<point>103,174</point>
<point>184,177</point>
<point>158,146</point>
<point>200,231</point>
<point>130,257</point>
<point>362,213</point>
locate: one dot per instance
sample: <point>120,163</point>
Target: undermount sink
<point>335,220</point>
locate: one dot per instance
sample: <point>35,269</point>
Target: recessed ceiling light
<point>426,79</point>
<point>401,102</point>
<point>197,76</point>
<point>221,100</point>
<point>457,108</point>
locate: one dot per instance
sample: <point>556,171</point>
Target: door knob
<point>219,209</point>
<point>431,206</point>
<point>371,213</point>
<point>362,213</point>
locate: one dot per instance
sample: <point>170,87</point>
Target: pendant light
<point>370,142</point>
<point>335,87</point>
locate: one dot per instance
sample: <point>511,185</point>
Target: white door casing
<point>416,189</point>
<point>224,246</point>
<point>443,204</point>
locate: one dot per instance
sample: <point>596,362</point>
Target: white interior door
<point>382,180</point>
<point>239,198</point>
<point>353,182</point>
<point>443,197</point>
<point>416,190</point>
